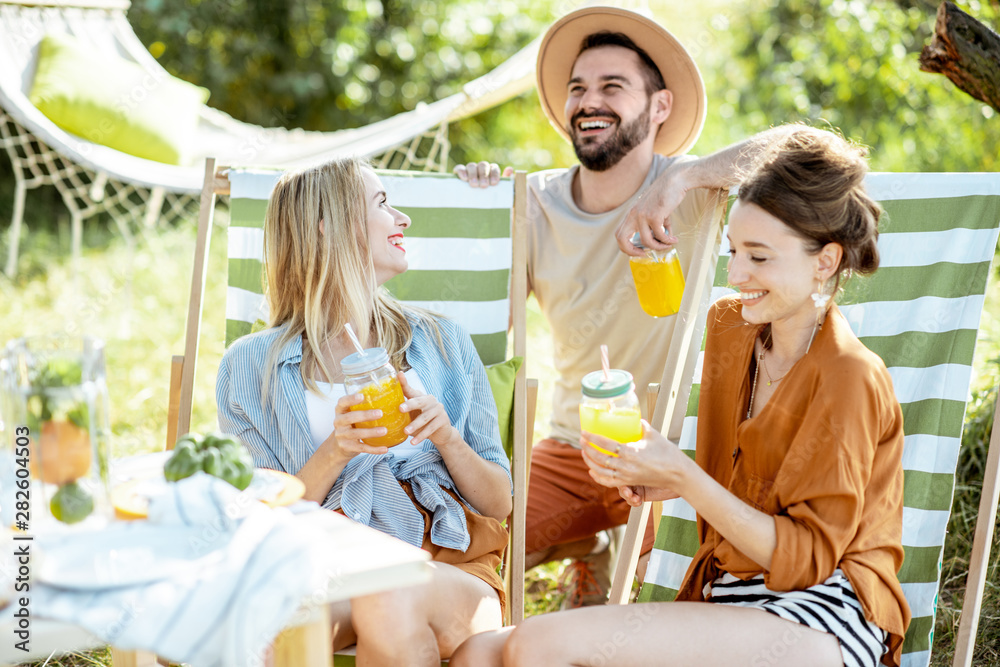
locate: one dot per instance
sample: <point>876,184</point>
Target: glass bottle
<point>56,434</point>
<point>659,281</point>
<point>371,375</point>
<point>609,407</point>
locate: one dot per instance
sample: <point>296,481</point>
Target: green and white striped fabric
<point>458,247</point>
<point>920,312</point>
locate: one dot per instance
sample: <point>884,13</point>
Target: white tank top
<point>322,411</point>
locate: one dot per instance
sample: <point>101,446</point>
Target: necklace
<point>753,388</point>
<point>770,381</point>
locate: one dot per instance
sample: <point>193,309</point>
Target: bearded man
<point>631,100</point>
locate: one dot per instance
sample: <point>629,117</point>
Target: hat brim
<point>561,46</point>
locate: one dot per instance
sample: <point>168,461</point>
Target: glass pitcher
<point>55,451</point>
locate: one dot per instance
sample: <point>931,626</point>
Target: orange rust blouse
<point>823,457</point>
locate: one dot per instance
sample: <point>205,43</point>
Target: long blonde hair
<point>315,281</point>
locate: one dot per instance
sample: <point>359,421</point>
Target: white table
<point>365,561</point>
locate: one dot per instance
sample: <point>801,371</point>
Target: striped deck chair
<point>466,261</point>
<point>920,312</point>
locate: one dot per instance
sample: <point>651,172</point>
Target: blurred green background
<point>331,64</point>
<point>334,64</point>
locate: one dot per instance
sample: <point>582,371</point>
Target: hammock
<point>92,179</point>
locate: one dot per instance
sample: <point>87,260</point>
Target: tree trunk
<point>967,52</point>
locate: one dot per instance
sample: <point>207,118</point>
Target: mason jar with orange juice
<point>609,407</point>
<point>659,281</point>
<point>370,374</point>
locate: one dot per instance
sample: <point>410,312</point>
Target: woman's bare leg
<point>482,650</point>
<point>420,625</point>
<point>674,633</point>
<point>341,630</point>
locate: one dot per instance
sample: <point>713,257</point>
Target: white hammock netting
<point>136,193</point>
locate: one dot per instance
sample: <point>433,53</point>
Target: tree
<point>333,64</point>
<point>850,64</point>
<point>967,52</point>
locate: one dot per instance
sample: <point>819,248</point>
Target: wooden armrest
<point>305,645</point>
<point>174,400</point>
<point>132,658</point>
<point>652,391</point>
<point>532,396</point>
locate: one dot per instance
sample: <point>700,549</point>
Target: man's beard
<point>601,157</point>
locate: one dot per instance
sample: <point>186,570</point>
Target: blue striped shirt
<point>278,437</point>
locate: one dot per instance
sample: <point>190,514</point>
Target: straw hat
<point>561,46</point>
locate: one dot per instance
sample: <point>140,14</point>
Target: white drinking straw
<point>354,339</point>
<point>357,346</point>
<point>604,362</point>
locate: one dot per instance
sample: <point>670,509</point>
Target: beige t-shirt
<point>585,290</point>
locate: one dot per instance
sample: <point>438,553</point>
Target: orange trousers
<point>565,504</point>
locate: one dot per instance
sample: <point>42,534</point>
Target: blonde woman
<point>331,238</point>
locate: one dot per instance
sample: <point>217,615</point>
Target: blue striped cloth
<point>194,583</point>
<point>279,438</point>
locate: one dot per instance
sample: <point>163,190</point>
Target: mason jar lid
<point>357,363</point>
<point>595,386</point>
<point>652,254</point>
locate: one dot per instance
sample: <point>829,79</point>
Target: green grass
<point>137,302</point>
<point>136,299</point>
<point>96,658</point>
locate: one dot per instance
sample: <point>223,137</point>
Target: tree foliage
<point>333,64</point>
<point>853,65</point>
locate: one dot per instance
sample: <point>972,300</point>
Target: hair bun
<point>813,181</point>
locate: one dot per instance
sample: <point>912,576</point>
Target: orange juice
<point>620,424</point>
<point>385,395</point>
<point>659,283</point>
<point>62,454</point>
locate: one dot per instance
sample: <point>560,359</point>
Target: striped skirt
<point>830,607</point>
